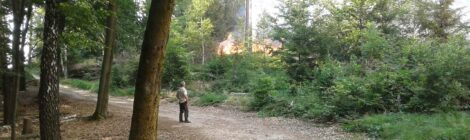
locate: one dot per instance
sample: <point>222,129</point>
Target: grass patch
<point>129,91</point>
<point>210,99</point>
<point>441,126</point>
<point>243,101</point>
<point>94,87</point>
<point>82,84</point>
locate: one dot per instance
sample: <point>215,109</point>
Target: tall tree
<point>199,28</point>
<point>4,33</point>
<point>49,82</point>
<point>438,19</point>
<point>17,6</point>
<point>63,47</point>
<point>102,104</point>
<point>29,11</point>
<point>247,25</point>
<point>147,88</point>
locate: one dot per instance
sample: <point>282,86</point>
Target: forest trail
<point>214,123</point>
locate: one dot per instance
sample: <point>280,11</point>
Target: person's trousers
<point>184,110</point>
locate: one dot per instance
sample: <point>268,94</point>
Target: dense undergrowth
<point>421,79</point>
<point>438,126</point>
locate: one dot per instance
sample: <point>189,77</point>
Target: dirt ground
<point>208,123</point>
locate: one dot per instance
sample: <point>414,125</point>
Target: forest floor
<point>208,123</point>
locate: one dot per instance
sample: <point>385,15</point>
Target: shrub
<point>239,101</point>
<point>452,125</point>
<point>82,84</point>
<point>129,91</point>
<point>176,67</point>
<point>262,93</point>
<point>124,75</point>
<point>211,99</point>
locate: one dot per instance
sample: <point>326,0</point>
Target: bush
<point>419,81</point>
<point>442,69</point>
<point>176,67</point>
<point>262,97</point>
<point>239,101</point>
<point>124,75</point>
<point>239,73</point>
<point>452,125</point>
<point>211,99</point>
<point>129,91</point>
<point>82,84</point>
<point>93,86</point>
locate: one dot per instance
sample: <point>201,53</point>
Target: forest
<point>310,69</point>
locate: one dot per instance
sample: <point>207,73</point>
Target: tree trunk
<point>4,50</point>
<point>17,8</point>
<point>203,47</point>
<point>64,62</point>
<point>247,26</point>
<point>4,72</point>
<point>147,88</point>
<point>61,27</point>
<point>23,42</point>
<point>31,48</point>
<point>102,103</point>
<point>49,82</point>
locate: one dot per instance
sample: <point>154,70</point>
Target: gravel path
<point>215,123</point>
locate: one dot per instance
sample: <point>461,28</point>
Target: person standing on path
<point>182,95</point>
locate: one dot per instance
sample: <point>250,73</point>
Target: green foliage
<point>128,91</point>
<point>304,41</point>
<point>411,76</point>
<point>210,99</point>
<point>130,28</point>
<point>84,34</point>
<point>176,67</point>
<point>438,20</point>
<point>239,73</point>
<point>262,93</point>
<point>82,84</point>
<point>124,75</point>
<point>239,101</point>
<point>93,86</point>
<point>452,125</point>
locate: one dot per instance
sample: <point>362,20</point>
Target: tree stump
<point>27,126</point>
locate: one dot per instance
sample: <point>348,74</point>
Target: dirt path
<point>213,123</point>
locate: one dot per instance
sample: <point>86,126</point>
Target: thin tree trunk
<point>23,42</point>
<point>202,46</point>
<point>17,8</point>
<point>5,82</point>
<point>31,48</point>
<point>64,62</point>
<point>4,50</point>
<point>247,26</point>
<point>147,88</point>
<point>61,27</point>
<point>101,111</point>
<point>49,82</point>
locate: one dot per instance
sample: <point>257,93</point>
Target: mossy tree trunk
<point>101,110</point>
<point>147,88</point>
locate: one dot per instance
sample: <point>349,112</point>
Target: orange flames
<point>231,46</point>
<point>267,46</point>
